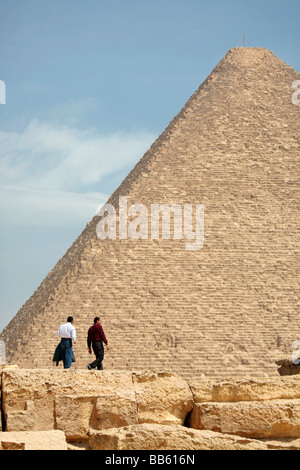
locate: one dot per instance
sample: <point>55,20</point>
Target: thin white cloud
<point>30,207</point>
<point>48,157</point>
<point>48,171</point>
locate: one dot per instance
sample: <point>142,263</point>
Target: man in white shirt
<point>67,333</point>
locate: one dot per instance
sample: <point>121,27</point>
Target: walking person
<point>67,333</point>
<point>95,340</point>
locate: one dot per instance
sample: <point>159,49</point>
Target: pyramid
<point>227,309</point>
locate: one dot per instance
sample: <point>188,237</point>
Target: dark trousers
<point>66,352</point>
<point>99,353</point>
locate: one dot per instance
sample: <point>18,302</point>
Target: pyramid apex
<point>250,56</point>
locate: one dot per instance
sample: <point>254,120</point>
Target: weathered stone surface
<point>246,389</point>
<point>75,401</point>
<point>75,415</point>
<point>163,437</point>
<point>65,399</point>
<point>158,437</point>
<point>3,367</point>
<point>28,440</point>
<point>147,410</point>
<point>283,444</point>
<point>264,419</point>
<point>162,397</point>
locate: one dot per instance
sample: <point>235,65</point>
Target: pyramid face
<point>227,309</point>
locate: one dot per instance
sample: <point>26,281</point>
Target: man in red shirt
<point>95,340</point>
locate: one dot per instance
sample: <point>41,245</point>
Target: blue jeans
<point>66,352</point>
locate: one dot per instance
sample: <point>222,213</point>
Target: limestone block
<point>162,397</point>
<point>75,415</point>
<point>75,401</point>
<point>114,411</point>
<point>151,436</point>
<point>233,390</point>
<point>68,400</point>
<point>72,415</point>
<point>42,440</point>
<point>256,419</point>
<point>283,444</point>
<point>24,420</point>
<point>28,404</point>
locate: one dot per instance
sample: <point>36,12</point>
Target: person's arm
<point>102,336</point>
<point>73,334</point>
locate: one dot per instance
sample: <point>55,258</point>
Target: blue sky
<point>89,86</point>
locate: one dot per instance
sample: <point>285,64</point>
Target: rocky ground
<point>146,410</point>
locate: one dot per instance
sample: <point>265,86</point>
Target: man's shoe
<point>89,367</point>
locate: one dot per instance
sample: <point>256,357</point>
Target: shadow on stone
<point>287,367</point>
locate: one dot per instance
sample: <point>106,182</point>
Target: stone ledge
<point>265,419</point>
<point>247,389</point>
<point>159,437</point>
<point>76,400</point>
<point>166,410</point>
<point>28,440</point>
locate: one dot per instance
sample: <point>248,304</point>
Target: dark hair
<point>70,319</point>
<point>96,319</point>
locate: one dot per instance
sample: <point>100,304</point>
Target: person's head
<point>96,319</point>
<point>70,319</point>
